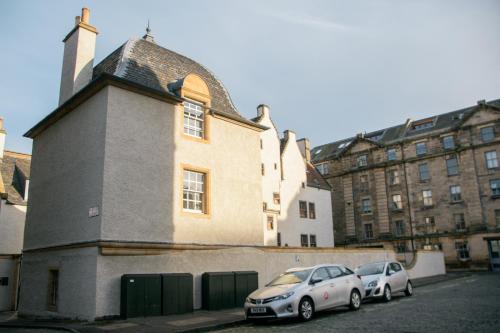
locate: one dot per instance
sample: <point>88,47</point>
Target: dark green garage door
<point>217,290</point>
<point>244,284</point>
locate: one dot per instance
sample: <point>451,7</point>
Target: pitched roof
<point>399,133</point>
<point>314,178</point>
<point>14,171</point>
<point>148,64</point>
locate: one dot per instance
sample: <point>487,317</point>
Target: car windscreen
<point>290,278</point>
<point>371,269</point>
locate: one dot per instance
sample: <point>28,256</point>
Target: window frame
<point>303,210</point>
<point>427,172</point>
<point>459,223</point>
<point>420,152</point>
<point>192,115</point>
<point>363,206</point>
<point>444,140</point>
<point>362,161</point>
<point>302,238</point>
<point>452,170</point>
<point>312,210</point>
<point>394,177</point>
<point>427,200</point>
<point>205,211</point>
<point>483,134</point>
<point>488,160</point>
<point>495,191</point>
<point>395,204</point>
<point>399,228</point>
<point>392,154</point>
<point>53,288</point>
<point>311,238</point>
<point>368,231</point>
<point>463,252</point>
<point>454,195</point>
<point>276,198</point>
<point>270,224</point>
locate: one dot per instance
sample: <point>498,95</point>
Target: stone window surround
<point>363,206</point>
<point>491,156</point>
<point>205,213</point>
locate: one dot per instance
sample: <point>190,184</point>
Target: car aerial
<point>383,279</point>
<point>305,290</point>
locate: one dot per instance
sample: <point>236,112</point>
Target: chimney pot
<point>85,15</point>
<point>77,20</point>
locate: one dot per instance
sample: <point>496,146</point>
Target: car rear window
<point>371,269</point>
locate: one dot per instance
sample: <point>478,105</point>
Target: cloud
<point>311,21</point>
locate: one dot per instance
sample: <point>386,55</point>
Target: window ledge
<point>495,196</point>
<point>456,202</point>
<point>397,210</point>
<point>424,207</point>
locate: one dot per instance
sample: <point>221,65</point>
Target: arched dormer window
<point>196,95</point>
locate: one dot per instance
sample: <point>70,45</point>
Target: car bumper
<point>373,292</point>
<point>277,309</point>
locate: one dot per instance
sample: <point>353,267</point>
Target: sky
<point>327,69</point>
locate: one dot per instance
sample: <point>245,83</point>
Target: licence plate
<point>258,310</point>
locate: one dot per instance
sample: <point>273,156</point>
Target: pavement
<point>198,321</point>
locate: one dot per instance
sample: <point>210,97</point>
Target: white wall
<point>268,262</point>
<point>12,218</point>
<point>7,269</point>
<point>290,224</point>
<point>271,181</point>
<point>427,263</point>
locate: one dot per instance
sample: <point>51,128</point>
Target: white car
<point>382,279</point>
<point>303,291</point>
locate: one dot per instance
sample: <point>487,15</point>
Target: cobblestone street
<point>469,304</point>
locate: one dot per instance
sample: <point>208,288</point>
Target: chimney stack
<point>3,134</point>
<point>78,59</point>
<point>305,148</point>
<point>263,110</point>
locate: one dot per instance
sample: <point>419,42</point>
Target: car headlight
<point>373,284</point>
<point>248,300</point>
<point>282,297</point>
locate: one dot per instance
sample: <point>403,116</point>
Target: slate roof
<point>14,171</point>
<point>399,133</point>
<point>148,64</point>
<point>314,178</point>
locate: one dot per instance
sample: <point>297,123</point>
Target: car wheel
<point>409,289</point>
<point>387,294</point>
<point>355,302</point>
<point>306,309</point>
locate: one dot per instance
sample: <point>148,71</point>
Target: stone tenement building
<point>427,184</point>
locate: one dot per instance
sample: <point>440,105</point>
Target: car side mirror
<point>314,281</point>
<point>389,273</point>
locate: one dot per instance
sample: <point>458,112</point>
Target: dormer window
<point>422,124</point>
<point>193,120</point>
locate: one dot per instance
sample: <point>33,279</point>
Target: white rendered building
<point>297,200</point>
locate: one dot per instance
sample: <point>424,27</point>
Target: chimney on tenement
<point>78,59</point>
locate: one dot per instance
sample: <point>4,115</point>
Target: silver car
<point>382,279</point>
<point>303,291</point>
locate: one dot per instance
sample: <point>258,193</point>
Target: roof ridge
<point>121,68</point>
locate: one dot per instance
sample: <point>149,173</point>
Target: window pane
<point>194,188</point>
<point>452,166</point>
<point>487,133</point>
<point>423,170</point>
<point>421,148</point>
<point>193,119</point>
<point>448,142</point>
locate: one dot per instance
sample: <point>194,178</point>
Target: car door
<point>320,291</point>
<point>398,277</point>
<point>339,286</point>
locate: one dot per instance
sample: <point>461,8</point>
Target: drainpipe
<point>408,198</point>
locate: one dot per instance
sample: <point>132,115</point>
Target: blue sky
<point>327,69</point>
